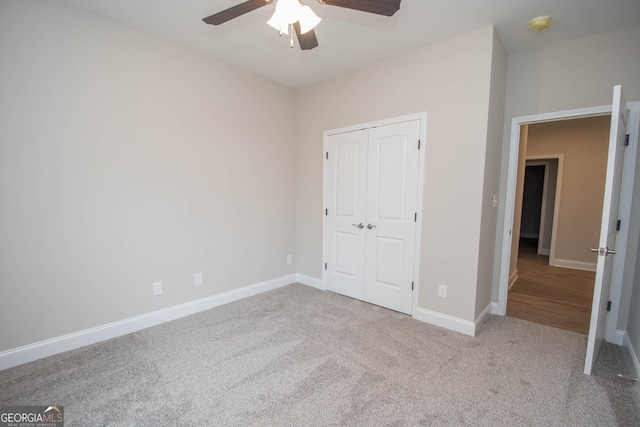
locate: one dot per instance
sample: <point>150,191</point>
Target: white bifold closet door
<point>371,195</point>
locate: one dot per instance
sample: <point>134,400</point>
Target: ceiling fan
<point>294,13</point>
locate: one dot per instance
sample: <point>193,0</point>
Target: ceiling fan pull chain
<point>291,33</point>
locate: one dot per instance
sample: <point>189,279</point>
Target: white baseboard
<point>576,265</point>
<point>31,352</point>
<point>482,317</point>
<point>632,352</point>
<point>424,315</point>
<point>445,321</point>
<point>495,310</point>
<point>513,278</point>
<point>617,338</point>
<point>310,281</point>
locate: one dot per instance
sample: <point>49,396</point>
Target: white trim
<point>543,205</point>
<point>618,337</point>
<point>35,351</point>
<point>634,357</point>
<point>445,321</point>
<point>482,318</point>
<point>556,206</point>
<point>512,170</point>
<point>421,171</point>
<point>624,214</point>
<point>310,281</point>
<point>575,265</point>
<point>533,161</point>
<point>384,122</point>
<point>494,308</point>
<point>556,203</point>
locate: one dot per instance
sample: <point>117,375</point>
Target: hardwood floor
<point>554,296</point>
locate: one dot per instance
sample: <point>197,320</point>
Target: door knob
<point>603,251</point>
<point>371,226</point>
<point>361,225</point>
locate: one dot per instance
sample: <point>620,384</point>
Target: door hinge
<point>618,225</point>
<point>327,155</point>
<point>608,305</point>
<point>626,140</point>
<point>415,217</point>
<point>418,144</point>
<point>326,212</point>
<point>411,285</point>
<point>325,265</point>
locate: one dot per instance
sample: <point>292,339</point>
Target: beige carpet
<point>298,356</point>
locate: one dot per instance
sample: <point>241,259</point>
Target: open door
<point>608,230</point>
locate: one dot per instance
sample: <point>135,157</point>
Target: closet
<point>371,193</point>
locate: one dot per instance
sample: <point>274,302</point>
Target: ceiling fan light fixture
<point>308,19</point>
<point>279,23</point>
<point>294,14</point>
<point>289,10</point>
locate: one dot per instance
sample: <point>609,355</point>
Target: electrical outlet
<point>442,291</point>
<point>197,279</point>
<point>157,288</point>
<point>289,259</point>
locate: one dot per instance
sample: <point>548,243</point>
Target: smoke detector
<point>540,24</point>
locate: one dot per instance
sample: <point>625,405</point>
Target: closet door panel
<point>345,204</point>
<point>392,197</point>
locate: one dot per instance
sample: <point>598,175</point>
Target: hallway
<point>554,296</point>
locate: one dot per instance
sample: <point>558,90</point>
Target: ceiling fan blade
<point>379,7</point>
<point>307,40</point>
<point>235,11</point>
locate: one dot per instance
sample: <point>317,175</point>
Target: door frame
<point>545,160</point>
<point>612,333</point>
<point>534,163</point>
<point>422,116</point>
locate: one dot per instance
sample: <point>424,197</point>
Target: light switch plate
<point>442,291</point>
<point>157,288</point>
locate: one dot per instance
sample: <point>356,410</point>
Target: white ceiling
<point>349,39</point>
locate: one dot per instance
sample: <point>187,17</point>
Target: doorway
<point>539,200</point>
<point>618,287</point>
<point>553,272</point>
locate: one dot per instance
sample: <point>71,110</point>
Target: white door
<point>607,242</point>
<point>345,212</point>
<point>392,198</point>
<point>371,194</point>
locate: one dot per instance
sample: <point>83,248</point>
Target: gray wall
<point>126,160</point>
